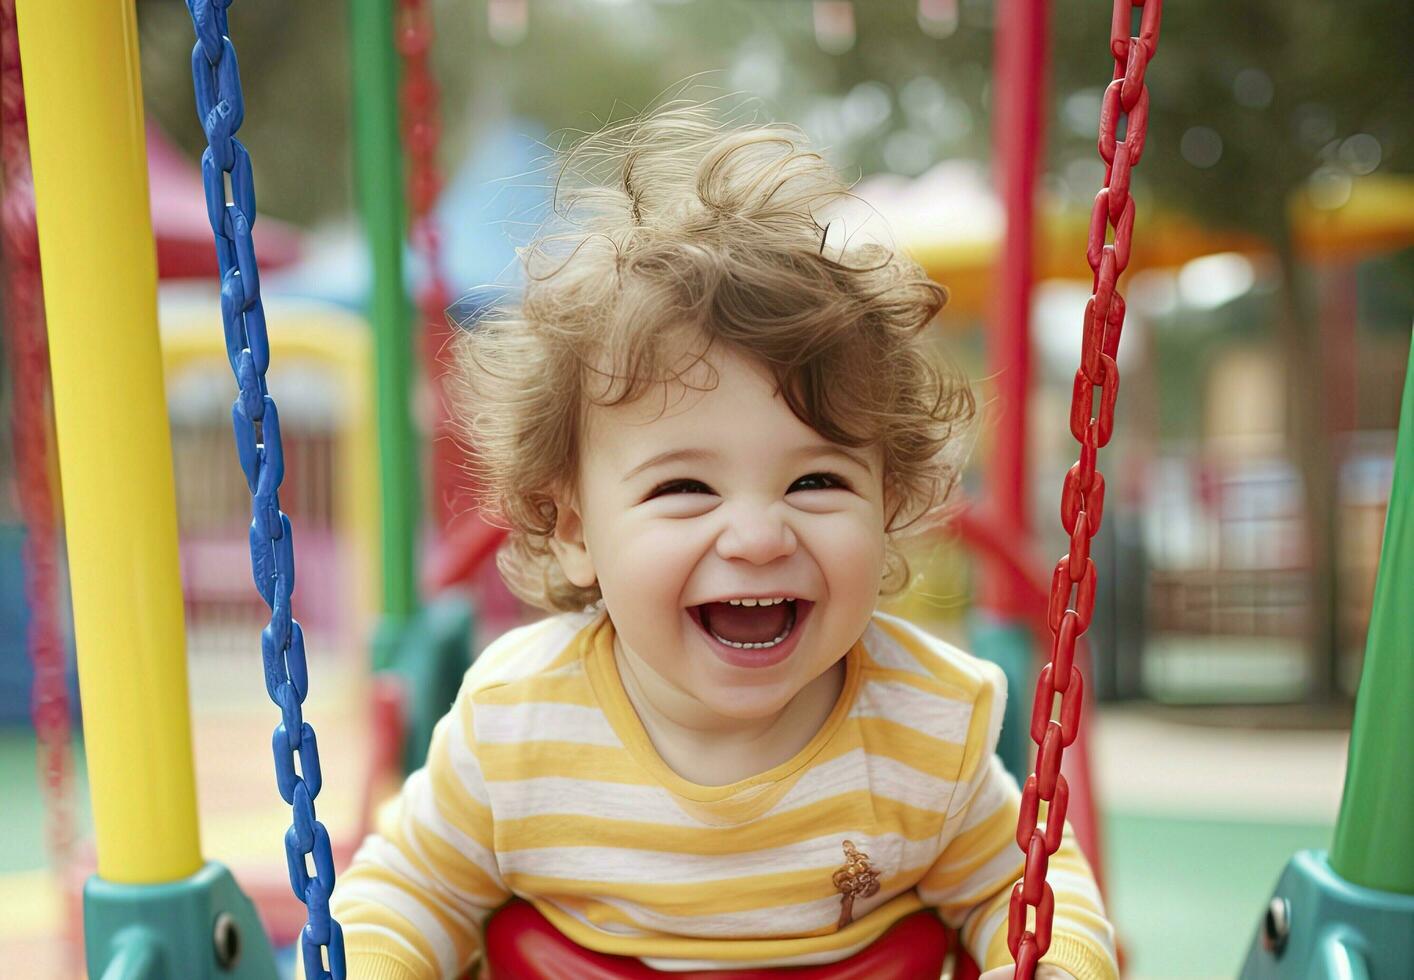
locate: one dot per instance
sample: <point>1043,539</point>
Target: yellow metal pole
<point>83,95</point>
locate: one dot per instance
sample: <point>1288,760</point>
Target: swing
<point>137,738</point>
<point>519,940</point>
<point>256,423</point>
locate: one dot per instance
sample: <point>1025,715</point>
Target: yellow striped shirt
<point>542,783</point>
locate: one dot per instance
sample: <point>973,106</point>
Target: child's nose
<point>758,534</point>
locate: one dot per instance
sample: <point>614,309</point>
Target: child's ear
<point>568,545</point>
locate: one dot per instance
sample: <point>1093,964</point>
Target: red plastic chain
<point>422,134</point>
<point>1053,728</point>
<point>29,370</point>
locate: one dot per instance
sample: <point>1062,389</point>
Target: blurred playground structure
<point>1204,569</point>
<point>1211,548</point>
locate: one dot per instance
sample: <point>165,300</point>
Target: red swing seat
<point>521,944</point>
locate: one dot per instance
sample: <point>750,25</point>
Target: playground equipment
<point>119,505</point>
<point>322,355</point>
<point>95,240</point>
<point>1350,913</point>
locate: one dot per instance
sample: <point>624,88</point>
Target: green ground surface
<point>22,846</point>
<point>1185,893</point>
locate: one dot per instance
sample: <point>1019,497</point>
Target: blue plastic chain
<point>220,109</point>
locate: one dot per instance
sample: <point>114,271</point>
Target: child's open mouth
<point>751,636</point>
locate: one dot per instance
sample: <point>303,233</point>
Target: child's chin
<point>745,704</point>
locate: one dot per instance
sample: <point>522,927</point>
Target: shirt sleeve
<point>970,883</point>
<point>413,902</point>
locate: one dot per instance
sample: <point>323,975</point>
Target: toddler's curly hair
<point>673,220</point>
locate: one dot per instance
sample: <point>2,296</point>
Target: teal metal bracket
<point>200,928</point>
<point>1010,645</point>
<point>1319,926</point>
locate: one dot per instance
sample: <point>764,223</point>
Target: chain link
<point>28,355</point>
<point>419,96</point>
<point>225,167</point>
<point>1083,493</point>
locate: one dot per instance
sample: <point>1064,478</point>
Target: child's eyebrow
<point>707,455</point>
<point>830,449</point>
<point>671,456</point>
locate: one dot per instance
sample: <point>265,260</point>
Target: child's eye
<point>838,481</point>
<point>673,485</point>
<point>813,481</point>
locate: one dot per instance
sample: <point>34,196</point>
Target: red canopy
<point>185,248</point>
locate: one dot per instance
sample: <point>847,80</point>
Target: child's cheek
<point>658,561</point>
<point>850,548</point>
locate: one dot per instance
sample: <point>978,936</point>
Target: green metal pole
<point>1372,840</point>
<point>427,648</point>
<point>378,171</point>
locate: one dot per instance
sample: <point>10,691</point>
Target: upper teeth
<point>756,602</point>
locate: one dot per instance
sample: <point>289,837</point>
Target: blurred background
<point>1268,334</point>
